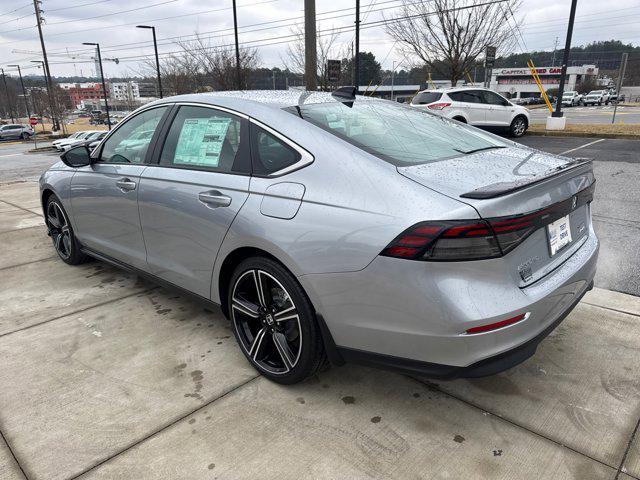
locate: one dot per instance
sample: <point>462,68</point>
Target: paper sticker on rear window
<point>200,141</point>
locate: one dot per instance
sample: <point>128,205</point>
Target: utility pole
<point>155,46</point>
<point>24,92</point>
<point>565,60</point>
<point>235,31</point>
<point>356,58</point>
<point>6,92</point>
<point>310,54</point>
<point>623,69</point>
<point>47,72</point>
<point>104,85</point>
<point>393,71</point>
<point>555,47</point>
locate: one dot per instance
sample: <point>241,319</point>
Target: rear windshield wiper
<point>467,152</point>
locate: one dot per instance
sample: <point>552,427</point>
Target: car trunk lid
<point>506,185</point>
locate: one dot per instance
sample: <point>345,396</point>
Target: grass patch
<point>591,130</point>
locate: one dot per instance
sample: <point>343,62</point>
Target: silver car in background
<point>335,228</point>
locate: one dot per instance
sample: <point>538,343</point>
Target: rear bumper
<point>411,316</point>
<point>483,368</point>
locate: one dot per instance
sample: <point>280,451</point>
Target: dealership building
<point>519,83</point>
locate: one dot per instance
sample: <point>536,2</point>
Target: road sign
<point>33,121</point>
<point>490,57</point>
<point>333,71</point>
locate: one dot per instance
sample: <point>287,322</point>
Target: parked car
<point>15,131</point>
<point>337,228</point>
<point>597,97</point>
<point>571,98</point>
<point>62,142</point>
<point>91,137</point>
<point>93,143</point>
<point>613,96</point>
<point>479,107</point>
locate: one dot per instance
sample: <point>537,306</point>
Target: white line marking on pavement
<point>11,155</point>
<point>582,146</point>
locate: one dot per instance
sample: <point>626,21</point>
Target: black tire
<point>275,327</point>
<point>64,240</point>
<point>460,119</point>
<point>518,127</point>
<point>25,136</point>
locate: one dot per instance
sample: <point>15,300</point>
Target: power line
<point>15,9</point>
<point>113,13</point>
<point>77,6</point>
<point>344,29</point>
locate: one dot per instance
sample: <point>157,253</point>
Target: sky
<point>69,23</point>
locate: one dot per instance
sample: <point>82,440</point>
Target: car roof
<point>246,100</point>
<point>453,89</point>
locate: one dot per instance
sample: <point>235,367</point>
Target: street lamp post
<point>155,46</point>
<point>24,92</point>
<point>6,92</point>
<point>104,85</point>
<point>49,93</point>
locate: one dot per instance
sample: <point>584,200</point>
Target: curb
<point>623,136</point>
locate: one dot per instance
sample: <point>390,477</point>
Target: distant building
<point>519,83</point>
<point>81,93</point>
<point>124,91</point>
<point>147,90</point>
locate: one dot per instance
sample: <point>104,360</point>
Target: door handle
<point>214,198</point>
<point>126,185</point>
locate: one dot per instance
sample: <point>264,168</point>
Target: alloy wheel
<point>267,321</point>
<point>59,229</point>
<point>519,127</point>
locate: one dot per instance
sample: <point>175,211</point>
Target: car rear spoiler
<point>503,188</point>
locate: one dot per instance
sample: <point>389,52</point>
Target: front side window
<point>130,142</point>
<point>202,138</point>
<point>493,98</point>
<point>397,134</point>
<point>270,153</point>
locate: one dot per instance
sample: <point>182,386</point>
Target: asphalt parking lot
<point>107,376</point>
<point>591,114</point>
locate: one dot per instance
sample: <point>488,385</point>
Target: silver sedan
<point>335,228</point>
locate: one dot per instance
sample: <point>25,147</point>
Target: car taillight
<point>457,240</point>
<point>438,106</point>
<point>442,241</point>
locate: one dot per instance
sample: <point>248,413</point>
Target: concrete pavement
<point>106,376</point>
<point>616,209</point>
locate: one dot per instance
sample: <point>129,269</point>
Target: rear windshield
<point>423,98</point>
<point>398,134</point>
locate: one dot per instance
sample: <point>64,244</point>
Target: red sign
<point>33,121</point>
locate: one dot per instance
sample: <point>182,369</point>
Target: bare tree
<point>218,63</point>
<point>326,49</point>
<point>449,35</point>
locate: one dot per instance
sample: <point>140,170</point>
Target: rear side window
<point>270,153</point>
<point>468,96</point>
<point>202,138</point>
<point>423,98</point>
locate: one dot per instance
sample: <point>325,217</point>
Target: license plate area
<point>559,234</point>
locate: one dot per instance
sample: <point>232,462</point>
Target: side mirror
<point>77,157</point>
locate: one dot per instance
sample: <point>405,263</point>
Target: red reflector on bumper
<point>495,326</point>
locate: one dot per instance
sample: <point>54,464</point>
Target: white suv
<point>597,97</point>
<point>476,106</point>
